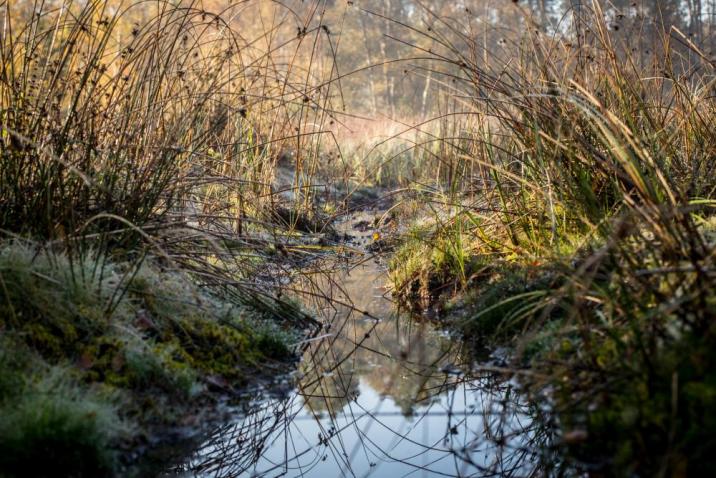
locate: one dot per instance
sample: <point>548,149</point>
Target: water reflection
<point>378,394</point>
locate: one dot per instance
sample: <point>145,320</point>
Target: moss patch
<point>96,354</point>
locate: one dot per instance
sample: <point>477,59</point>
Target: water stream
<point>377,393</point>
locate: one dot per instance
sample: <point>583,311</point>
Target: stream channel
<point>377,393</point>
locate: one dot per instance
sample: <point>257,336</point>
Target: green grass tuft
<point>95,354</point>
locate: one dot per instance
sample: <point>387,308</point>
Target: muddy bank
<point>100,362</point>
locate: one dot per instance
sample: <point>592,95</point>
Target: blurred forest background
<point>376,58</point>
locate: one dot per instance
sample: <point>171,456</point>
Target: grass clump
<point>51,423</point>
<point>589,159</point>
<point>96,355</point>
<point>116,113</point>
<point>55,428</point>
<point>129,127</point>
<point>432,262</point>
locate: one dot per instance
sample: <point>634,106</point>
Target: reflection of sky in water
<point>379,398</point>
<point>372,436</point>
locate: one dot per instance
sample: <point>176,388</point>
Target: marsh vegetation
<point>266,238</point>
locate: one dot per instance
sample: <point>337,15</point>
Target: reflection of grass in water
<point>404,362</point>
<point>498,437</point>
<point>381,353</point>
<point>398,359</point>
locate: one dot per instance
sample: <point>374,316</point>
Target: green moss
<point>161,365</point>
<point>213,348</point>
<point>647,403</point>
<point>73,328</point>
<point>658,422</point>
<point>51,435</point>
<point>427,264</point>
<point>51,424</point>
<point>272,346</point>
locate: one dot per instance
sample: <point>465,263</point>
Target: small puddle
<point>378,393</point>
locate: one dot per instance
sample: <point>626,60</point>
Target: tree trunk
<point>369,57</point>
<point>426,89</point>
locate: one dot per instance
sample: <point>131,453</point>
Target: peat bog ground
<point>364,238</point>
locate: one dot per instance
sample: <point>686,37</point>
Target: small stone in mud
<point>450,369</point>
<point>575,436</point>
<point>362,226</point>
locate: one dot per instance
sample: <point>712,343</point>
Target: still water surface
<point>378,393</point>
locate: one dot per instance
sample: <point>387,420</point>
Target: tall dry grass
<point>587,220</point>
<point>135,126</point>
<point>139,142</point>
